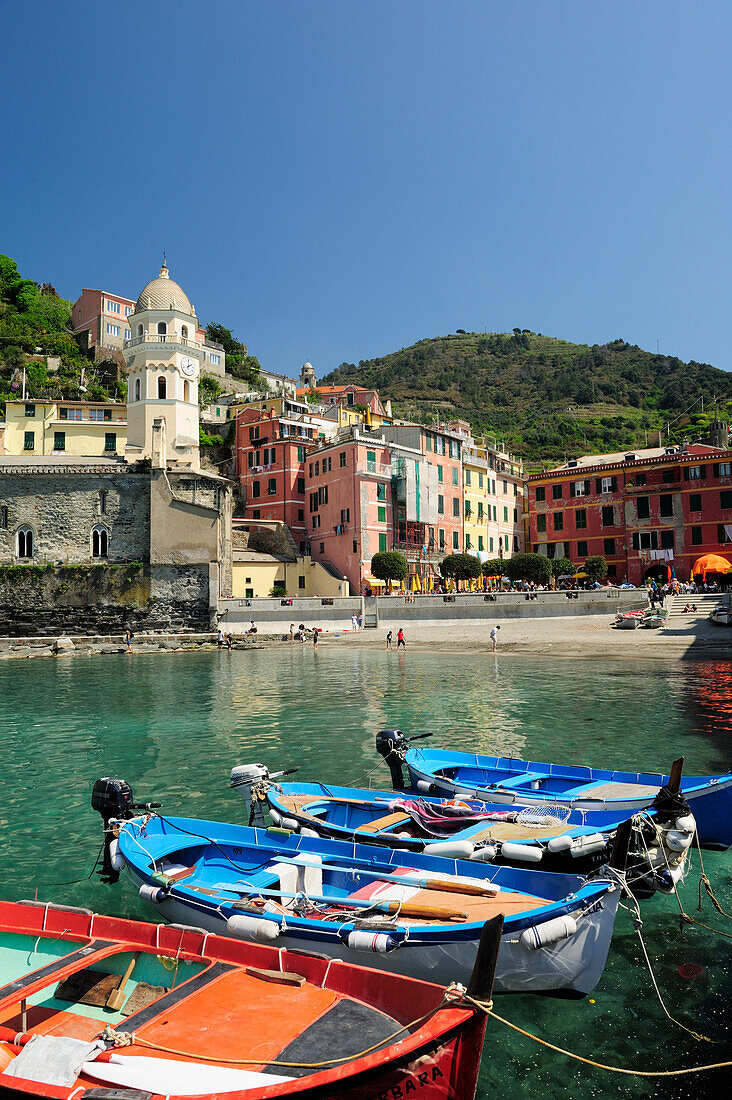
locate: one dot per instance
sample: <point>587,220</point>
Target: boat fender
<point>485,854</point>
<point>551,931</point>
<point>115,855</point>
<point>258,929</point>
<point>308,832</point>
<point>378,943</point>
<point>665,880</point>
<point>453,849</point>
<point>289,823</point>
<point>427,788</point>
<point>560,843</point>
<point>526,853</point>
<point>152,893</point>
<point>276,817</point>
<point>678,841</point>
<point>686,824</point>
<point>586,845</point>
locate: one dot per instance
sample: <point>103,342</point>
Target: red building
<point>271,453</point>
<point>648,512</point>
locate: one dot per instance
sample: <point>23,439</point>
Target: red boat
<point>102,1008</point>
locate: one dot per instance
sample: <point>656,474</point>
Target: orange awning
<point>710,563</point>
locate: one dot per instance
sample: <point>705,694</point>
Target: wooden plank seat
<point>382,823</point>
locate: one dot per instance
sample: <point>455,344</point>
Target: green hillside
<point>545,398</point>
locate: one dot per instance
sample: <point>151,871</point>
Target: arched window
<point>184,332</point>
<point>100,542</point>
<point>139,330</point>
<point>162,388</point>
<point>25,542</point>
<point>186,391</point>
<point>138,389</point>
<point>162,328</point>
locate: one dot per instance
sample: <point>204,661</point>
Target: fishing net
<point>549,815</point>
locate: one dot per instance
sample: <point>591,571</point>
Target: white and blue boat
<point>411,914</point>
<point>506,781</point>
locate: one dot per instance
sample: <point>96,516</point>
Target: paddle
<point>116,998</point>
<point>444,885</point>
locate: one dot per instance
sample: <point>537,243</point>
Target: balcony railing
<point>161,338</point>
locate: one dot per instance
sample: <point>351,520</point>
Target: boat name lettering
<point>236,851</point>
<point>413,1084</point>
<point>596,908</point>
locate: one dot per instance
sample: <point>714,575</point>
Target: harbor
<point>175,728</point>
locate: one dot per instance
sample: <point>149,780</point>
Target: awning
<point>710,563</point>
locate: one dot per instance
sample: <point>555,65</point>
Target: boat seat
<point>526,778</point>
<point>382,823</point>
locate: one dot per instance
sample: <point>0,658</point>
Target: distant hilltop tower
<point>307,376</point>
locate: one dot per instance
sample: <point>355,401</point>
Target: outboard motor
<point>392,745</point>
<point>244,778</point>
<point>113,799</point>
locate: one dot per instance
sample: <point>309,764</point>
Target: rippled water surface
<point>173,726</point>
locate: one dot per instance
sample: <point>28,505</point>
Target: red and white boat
<point>91,1005</point>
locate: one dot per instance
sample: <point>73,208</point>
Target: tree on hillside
<point>389,566</point>
<point>494,567</point>
<point>238,361</point>
<point>461,567</point>
<point>595,568</point>
<point>561,567</point>
<point>529,567</point>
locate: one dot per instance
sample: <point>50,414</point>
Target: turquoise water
<point>174,725</point>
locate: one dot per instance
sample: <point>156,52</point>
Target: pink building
<point>104,317</point>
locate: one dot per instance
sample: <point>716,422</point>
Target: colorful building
<point>375,413</point>
<point>104,317</point>
<point>650,512</point>
<point>44,427</point>
<point>493,487</point>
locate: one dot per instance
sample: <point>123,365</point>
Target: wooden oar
<point>392,908</point>
<point>447,886</point>
<point>116,998</point>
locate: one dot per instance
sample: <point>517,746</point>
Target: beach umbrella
<point>710,563</point>
<point>580,574</point>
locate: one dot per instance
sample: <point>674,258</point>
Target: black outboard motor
<point>392,744</point>
<point>112,798</point>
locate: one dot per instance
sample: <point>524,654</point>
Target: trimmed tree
<point>389,566</point>
<point>529,567</point>
<point>461,567</point>
<point>595,568</point>
<point>493,568</point>
<point>561,567</point>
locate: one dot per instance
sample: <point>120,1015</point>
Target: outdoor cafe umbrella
<point>710,563</point>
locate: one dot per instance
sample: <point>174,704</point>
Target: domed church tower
<point>307,376</point>
<point>164,362</point>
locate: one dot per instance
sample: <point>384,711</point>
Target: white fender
<point>453,849</point>
<point>560,843</point>
<point>552,931</point>
<point>151,893</point>
<point>423,785</point>
<point>115,855</point>
<point>526,853</point>
<point>485,854</point>
<point>276,817</point>
<point>258,929</point>
<point>378,942</point>
<point>586,845</point>
<point>678,841</point>
<point>290,823</point>
<point>686,824</point>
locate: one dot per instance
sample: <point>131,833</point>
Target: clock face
<point>188,366</point>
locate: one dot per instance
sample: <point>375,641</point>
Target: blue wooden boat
<point>554,838</point>
<point>414,914</point>
<point>528,783</point>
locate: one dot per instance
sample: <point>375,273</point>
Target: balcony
<point>165,338</point>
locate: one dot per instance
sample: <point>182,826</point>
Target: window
<point>490,544</point>
<point>342,459</point>
<point>272,487</point>
<point>480,480</point>
<point>112,330</point>
<point>128,310</point>
<point>59,441</point>
<point>608,484</point>
<point>505,488</point>
<point>187,392</point>
<point>467,542</point>
<point>25,542</point>
<point>455,541</point>
<point>645,540</point>
<point>558,521</point>
<point>643,507</point>
<point>608,518</point>
<point>327,465</point>
<point>670,475</point>
<point>454,475</point>
<point>581,549</point>
<point>667,540</point>
<point>557,492</point>
<point>441,539</point>
<point>322,548</point>
<point>103,501</point>
<point>255,489</point>
<point>107,414</point>
<point>30,410</point>
<point>382,543</point>
<point>215,359</point>
<point>100,542</point>
<point>256,513</point>
<point>439,473</point>
<point>301,513</point>
<point>355,546</point>
<point>113,307</point>
<point>128,334</point>
<point>139,330</point>
<point>162,328</point>
<point>381,491</point>
<point>480,510</point>
<point>696,536</point>
<point>495,514</point>
<point>466,477</point>
<point>381,514</point>
<point>667,504</point>
<point>694,473</point>
<point>254,433</point>
<point>579,488</point>
<point>427,441</point>
<point>541,523</point>
<point>96,414</point>
<point>540,493</point>
<point>456,506</point>
<point>4,517</point>
<point>317,469</point>
<point>608,546</point>
<point>300,486</point>
<point>467,509</point>
<point>29,441</point>
<point>110,441</point>
<point>71,414</point>
<point>371,461</point>
<point>314,502</point>
<point>580,518</point>
<point>323,494</point>
<point>725,469</point>
<point>480,543</point>
<point>694,502</point>
<point>505,516</point>
<point>138,389</point>
<point>725,498</point>
<point>162,389</point>
<point>454,449</point>
<point>441,505</point>
<point>515,515</point>
<point>640,479</point>
<point>550,549</point>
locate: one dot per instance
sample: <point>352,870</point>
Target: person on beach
<point>220,639</point>
<point>229,641</point>
<point>292,631</point>
<point>315,637</point>
<point>128,639</point>
<point>252,628</point>
<point>494,637</point>
<point>354,622</point>
<point>401,643</point>
<point>388,640</point>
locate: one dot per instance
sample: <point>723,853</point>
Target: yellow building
<point>493,489</point>
<point>84,428</point>
<point>255,574</point>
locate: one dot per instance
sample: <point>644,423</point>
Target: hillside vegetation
<point>547,399</point>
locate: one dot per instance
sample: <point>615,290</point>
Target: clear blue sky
<point>335,180</point>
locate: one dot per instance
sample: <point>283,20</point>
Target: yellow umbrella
<point>580,574</point>
<point>711,563</point>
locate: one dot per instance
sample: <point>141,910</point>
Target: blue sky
<point>334,181</point>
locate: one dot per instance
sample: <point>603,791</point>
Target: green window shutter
<point>29,441</point>
<point>382,543</point>
<point>110,441</point>
<point>382,515</point>
<point>59,441</point>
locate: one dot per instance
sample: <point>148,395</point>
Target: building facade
<point>104,316</point>
<point>494,502</point>
<point>441,448</point>
<point>44,427</point>
<point>650,513</point>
